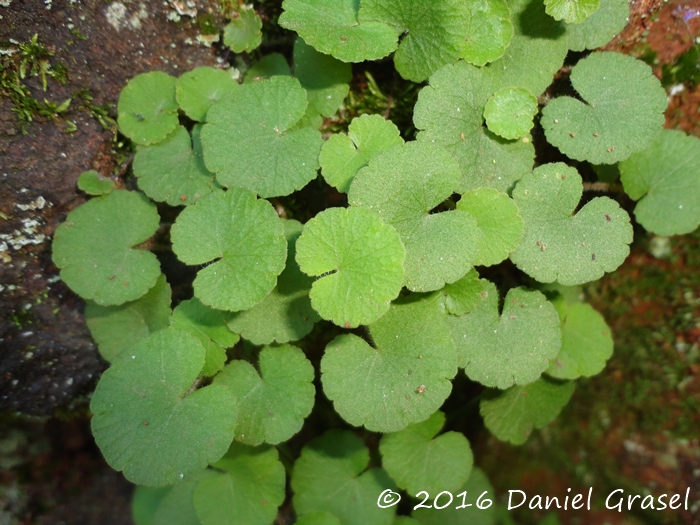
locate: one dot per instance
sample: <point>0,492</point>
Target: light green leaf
<point>478,489</point>
<point>147,108</point>
<point>248,489</point>
<point>324,78</point>
<point>286,313</point>
<point>403,185</point>
<point>331,475</point>
<point>177,507</point>
<point>116,328</point>
<point>198,89</point>
<point>666,177</point>
<point>251,141</point>
<point>599,28</point>
<point>512,415</point>
<point>144,503</point>
<point>209,326</point>
<point>146,422</point>
<point>273,403</point>
<point>245,238</point>
<point>559,246</point>
<point>449,113</point>
<point>461,297</point>
<point>268,66</point>
<point>432,35</point>
<point>359,260</point>
<point>509,112</point>
<point>490,31</point>
<point>243,33</point>
<point>417,460</point>
<point>94,248</point>
<point>572,11</point>
<point>318,517</point>
<point>332,27</point>
<point>513,347</point>
<point>586,342</point>
<point>93,184</point>
<point>622,111</point>
<point>498,219</point>
<point>403,379</point>
<point>171,171</point>
<point>342,156</point>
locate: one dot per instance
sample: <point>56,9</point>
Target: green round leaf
<point>509,112</point>
<point>665,178</point>
<point>243,33</point>
<point>586,342</point>
<point>245,238</point>
<point>417,460</point>
<point>147,108</point>
<point>145,421</point>
<point>116,328</point>
<point>498,219</point>
<point>342,156</point>
<point>209,326</point>
<point>360,261</point>
<point>318,517</point>
<point>513,347</point>
<point>286,313</point>
<point>331,475</point>
<point>93,184</point>
<point>250,140</point>
<point>449,113</point>
<point>272,404</point>
<point>622,110</point>
<point>403,185</point>
<point>432,33</point>
<point>403,379</point>
<point>572,11</point>
<point>599,28</point>
<point>94,248</point>
<point>248,489</point>
<point>198,89</point>
<point>463,296</point>
<point>478,488</point>
<point>171,171</point>
<point>332,27</point>
<point>177,507</point>
<point>560,246</point>
<point>268,66</point>
<point>490,31</point>
<point>324,78</point>
<point>511,415</point>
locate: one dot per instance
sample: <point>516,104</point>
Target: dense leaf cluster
<point>196,423</point>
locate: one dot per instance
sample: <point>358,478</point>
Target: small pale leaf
<point>403,380</point>
<point>509,112</point>
<point>243,33</point>
<point>250,139</point>
<point>244,238</point>
<point>571,11</point>
<point>198,89</point>
<point>417,460</point>
<point>665,178</point>
<point>514,347</point>
<point>511,415</point>
<point>560,246</point>
<point>91,183</point>
<point>331,475</point>
<point>145,421</point>
<point>499,220</point>
<point>463,296</point>
<point>147,108</point>
<point>359,260</point>
<point>342,156</point>
<point>273,403</point>
<point>490,31</point>
<point>622,111</point>
<point>94,248</point>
